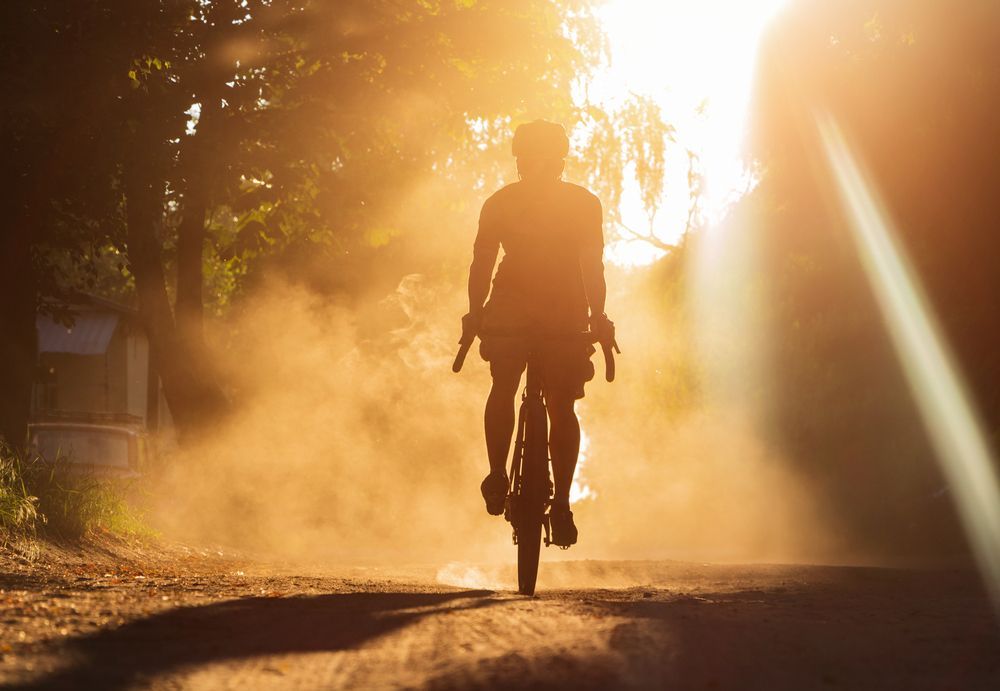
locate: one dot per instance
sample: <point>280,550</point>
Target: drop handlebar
<point>609,348</point>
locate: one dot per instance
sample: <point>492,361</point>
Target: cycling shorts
<point>505,341</point>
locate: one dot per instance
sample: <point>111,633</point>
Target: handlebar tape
<point>460,357</point>
<point>609,360</point>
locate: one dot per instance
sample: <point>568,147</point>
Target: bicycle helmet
<point>540,139</point>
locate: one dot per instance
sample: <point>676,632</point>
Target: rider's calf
<point>564,444</point>
<point>499,417</point>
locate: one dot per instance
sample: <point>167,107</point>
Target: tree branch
<point>649,238</point>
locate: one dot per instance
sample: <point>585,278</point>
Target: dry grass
<point>39,498</point>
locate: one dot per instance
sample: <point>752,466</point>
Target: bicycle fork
<point>530,483</point>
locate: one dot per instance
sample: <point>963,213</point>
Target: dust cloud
<point>353,442</point>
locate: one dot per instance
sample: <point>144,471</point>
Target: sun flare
<point>696,59</point>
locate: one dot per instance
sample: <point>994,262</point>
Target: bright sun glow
<point>696,59</point>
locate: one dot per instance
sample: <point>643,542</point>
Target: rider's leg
<point>499,416</point>
<point>564,443</point>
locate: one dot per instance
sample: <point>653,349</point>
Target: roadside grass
<point>51,500</point>
<point>18,507</point>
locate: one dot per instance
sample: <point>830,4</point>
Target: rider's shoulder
<point>505,191</point>
<point>580,192</point>
<point>502,195</point>
<point>515,193</point>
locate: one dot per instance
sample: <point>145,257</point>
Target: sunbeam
<point>954,430</point>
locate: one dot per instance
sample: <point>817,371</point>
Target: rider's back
<point>544,228</point>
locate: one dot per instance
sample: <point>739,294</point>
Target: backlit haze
<point>729,434</point>
<point>380,453</point>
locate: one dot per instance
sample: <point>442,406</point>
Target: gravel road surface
<point>203,621</point>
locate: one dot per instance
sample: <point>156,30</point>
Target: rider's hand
<point>470,325</point>
<point>603,328</point>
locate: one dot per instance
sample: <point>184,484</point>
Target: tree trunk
<point>194,163</point>
<point>195,400</point>
<point>190,243</point>
<point>18,336</point>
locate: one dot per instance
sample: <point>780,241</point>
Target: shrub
<point>57,500</point>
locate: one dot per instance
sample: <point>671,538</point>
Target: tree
<point>914,85</point>
<point>235,131</point>
<point>58,205</point>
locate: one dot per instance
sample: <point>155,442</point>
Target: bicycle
<point>530,490</point>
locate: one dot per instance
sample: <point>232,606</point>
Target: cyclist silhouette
<point>550,283</point>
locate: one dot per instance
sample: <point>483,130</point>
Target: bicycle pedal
<point>510,508</point>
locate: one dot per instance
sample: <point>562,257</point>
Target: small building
<point>101,364</point>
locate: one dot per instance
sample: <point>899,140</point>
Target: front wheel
<point>529,547</point>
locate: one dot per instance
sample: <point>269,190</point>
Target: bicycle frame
<point>530,490</point>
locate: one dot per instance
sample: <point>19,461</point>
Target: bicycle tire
<point>534,494</point>
<point>529,548</point>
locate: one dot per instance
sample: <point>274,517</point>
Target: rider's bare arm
<point>484,258</point>
<point>592,260</point>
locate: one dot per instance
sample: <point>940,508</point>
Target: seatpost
<point>533,386</point>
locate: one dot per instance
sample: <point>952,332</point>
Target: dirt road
<point>217,624</point>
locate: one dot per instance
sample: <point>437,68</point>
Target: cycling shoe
<point>494,489</point>
<point>564,531</point>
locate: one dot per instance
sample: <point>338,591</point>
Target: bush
<point>56,500</point>
<point>18,508</point>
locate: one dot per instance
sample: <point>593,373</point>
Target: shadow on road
<point>17,581</point>
<point>862,629</point>
<point>245,628</point>
<point>784,629</point>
